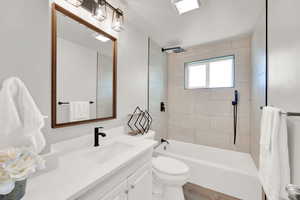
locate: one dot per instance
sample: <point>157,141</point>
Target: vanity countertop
<point>81,169</point>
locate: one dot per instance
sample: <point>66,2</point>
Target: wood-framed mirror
<point>84,68</point>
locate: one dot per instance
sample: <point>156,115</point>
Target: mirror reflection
<point>84,72</point>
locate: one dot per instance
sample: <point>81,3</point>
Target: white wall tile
<point>205,116</point>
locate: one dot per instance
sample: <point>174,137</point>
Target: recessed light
<point>102,38</point>
<point>184,6</point>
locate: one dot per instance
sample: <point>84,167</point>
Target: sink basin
<point>104,154</point>
<point>90,155</point>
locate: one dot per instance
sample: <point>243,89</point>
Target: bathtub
<point>229,172</point>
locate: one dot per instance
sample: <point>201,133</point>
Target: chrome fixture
<point>162,141</point>
<point>117,20</point>
<point>100,11</point>
<point>173,50</point>
<point>97,134</point>
<point>293,192</point>
<point>76,3</point>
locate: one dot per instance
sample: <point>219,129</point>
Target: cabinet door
<point>140,184</point>
<point>118,193</point>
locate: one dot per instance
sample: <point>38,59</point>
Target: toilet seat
<point>169,166</point>
<point>169,175</point>
<point>170,171</point>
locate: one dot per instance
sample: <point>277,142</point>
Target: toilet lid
<point>169,166</point>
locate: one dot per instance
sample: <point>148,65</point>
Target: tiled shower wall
<point>204,116</point>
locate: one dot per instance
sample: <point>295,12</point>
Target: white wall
<point>26,52</point>
<point>258,83</point>
<point>284,69</point>
<point>204,116</point>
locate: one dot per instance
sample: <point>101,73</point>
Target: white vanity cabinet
<point>140,185</point>
<point>118,193</point>
<point>128,184</point>
<point>137,187</point>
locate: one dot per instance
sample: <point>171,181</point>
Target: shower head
<point>173,50</point>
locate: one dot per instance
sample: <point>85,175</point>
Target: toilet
<point>169,176</point>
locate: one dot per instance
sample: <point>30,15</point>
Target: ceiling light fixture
<point>76,3</point>
<point>117,20</point>
<point>100,11</point>
<point>100,37</point>
<point>98,8</point>
<point>184,6</point>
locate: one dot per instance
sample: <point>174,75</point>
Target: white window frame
<point>207,62</point>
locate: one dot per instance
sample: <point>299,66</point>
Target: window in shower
<point>210,73</point>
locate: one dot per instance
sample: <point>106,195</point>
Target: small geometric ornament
<point>139,122</point>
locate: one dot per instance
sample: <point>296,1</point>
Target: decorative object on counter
<point>98,9</point>
<point>293,191</point>
<point>17,193</point>
<point>16,165</point>
<point>139,122</point>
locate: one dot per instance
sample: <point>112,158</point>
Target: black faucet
<point>97,133</point>
<point>162,140</point>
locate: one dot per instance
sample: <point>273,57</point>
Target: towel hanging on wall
<point>274,169</point>
<point>20,120</point>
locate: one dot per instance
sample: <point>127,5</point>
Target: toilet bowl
<point>169,175</point>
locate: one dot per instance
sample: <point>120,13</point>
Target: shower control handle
<point>162,107</point>
<point>235,115</point>
<point>236,98</point>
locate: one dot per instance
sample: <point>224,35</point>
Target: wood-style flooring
<point>195,192</point>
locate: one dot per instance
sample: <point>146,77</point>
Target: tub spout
<point>162,140</point>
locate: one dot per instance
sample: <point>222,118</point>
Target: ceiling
<point>215,20</point>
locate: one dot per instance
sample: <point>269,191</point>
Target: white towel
<point>20,119</point>
<point>79,110</point>
<point>274,170</point>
